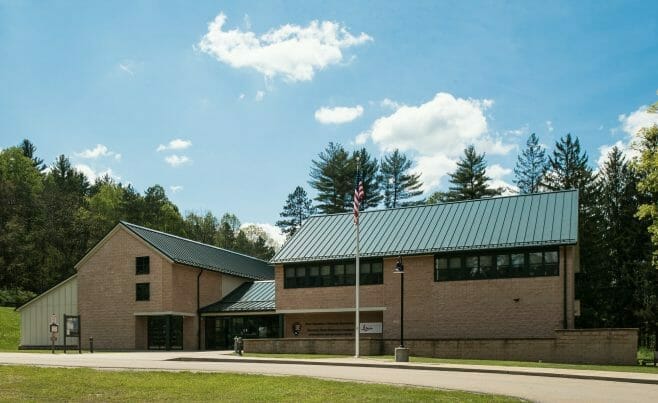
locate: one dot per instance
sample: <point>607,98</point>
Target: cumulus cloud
<point>175,144</point>
<point>177,160</point>
<point>498,175</point>
<point>437,131</point>
<point>175,188</point>
<point>390,104</point>
<point>277,238</point>
<point>93,174</point>
<point>338,115</point>
<point>294,52</point>
<point>99,151</point>
<point>634,121</point>
<point>630,125</point>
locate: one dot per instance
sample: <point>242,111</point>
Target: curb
<point>423,368</point>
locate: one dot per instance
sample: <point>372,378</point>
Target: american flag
<point>359,194</point>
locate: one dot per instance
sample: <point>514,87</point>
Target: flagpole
<point>357,324</point>
<point>358,280</point>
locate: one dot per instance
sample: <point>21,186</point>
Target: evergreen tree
<point>298,207</point>
<point>201,228</point>
<point>567,167</point>
<point>530,166</point>
<point>399,184</point>
<point>469,179</point>
<point>368,169</point>
<point>332,177</point>
<point>29,150</point>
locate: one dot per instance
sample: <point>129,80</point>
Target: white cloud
<point>175,188</point>
<point>241,96</point>
<point>126,68</point>
<point>175,144</point>
<point>338,115</point>
<point>130,67</point>
<point>246,21</point>
<point>99,151</point>
<point>272,231</point>
<point>92,174</point>
<point>291,51</point>
<point>497,173</point>
<point>634,121</point>
<point>176,160</point>
<point>390,104</point>
<point>259,96</point>
<point>437,131</point>
<point>630,125</point>
<point>549,126</point>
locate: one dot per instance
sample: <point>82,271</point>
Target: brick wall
<point>106,293</point>
<point>451,309</point>
<point>591,346</point>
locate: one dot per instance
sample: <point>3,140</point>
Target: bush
<point>15,297</point>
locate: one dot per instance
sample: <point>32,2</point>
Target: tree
<point>438,197</point>
<point>399,184</point>
<point>298,207</point>
<point>368,170</point>
<point>567,167</point>
<point>29,150</point>
<point>201,228</point>
<point>332,177</point>
<point>617,286</point>
<point>530,166</point>
<point>469,179</point>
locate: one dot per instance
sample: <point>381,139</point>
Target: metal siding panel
<point>412,226</point>
<point>506,227</point>
<point>540,223</point>
<point>531,219</point>
<point>488,219</point>
<point>472,225</point>
<point>433,226</point>
<point>565,232</point>
<point>456,228</point>
<point>393,241</point>
<point>452,215</point>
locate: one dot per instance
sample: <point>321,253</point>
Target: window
<point>142,265</point>
<point>337,274</point>
<point>533,263</point>
<point>142,291</point>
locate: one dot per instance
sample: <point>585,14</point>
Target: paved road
<point>554,386</point>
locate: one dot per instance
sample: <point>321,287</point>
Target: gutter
<point>198,310</point>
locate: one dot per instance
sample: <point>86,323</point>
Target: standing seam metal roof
<point>249,297</point>
<point>197,254</point>
<point>502,222</point>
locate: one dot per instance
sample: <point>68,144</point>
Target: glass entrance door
<point>165,332</point>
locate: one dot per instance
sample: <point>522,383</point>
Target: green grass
<point>20,383</point>
<point>10,326</point>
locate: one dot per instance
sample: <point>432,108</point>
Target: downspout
<point>198,310</point>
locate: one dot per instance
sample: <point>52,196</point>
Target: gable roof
<point>197,254</point>
<point>254,296</point>
<point>501,222</point>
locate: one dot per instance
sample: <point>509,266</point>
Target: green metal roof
<point>197,254</point>
<point>249,297</point>
<point>500,222</point>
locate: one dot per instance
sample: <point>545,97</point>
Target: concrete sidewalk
<point>613,376</point>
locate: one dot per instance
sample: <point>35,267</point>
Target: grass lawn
<point>10,325</point>
<point>32,383</point>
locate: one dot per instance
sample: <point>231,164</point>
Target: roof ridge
<point>191,240</point>
<point>444,203</point>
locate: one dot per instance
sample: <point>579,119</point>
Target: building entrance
<point>165,332</point>
<point>220,330</point>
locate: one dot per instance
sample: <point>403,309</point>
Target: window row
<point>499,265</point>
<point>336,274</point>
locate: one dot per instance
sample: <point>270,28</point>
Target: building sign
<point>72,326</point>
<point>296,328</point>
<point>372,327</point>
<point>330,329</point>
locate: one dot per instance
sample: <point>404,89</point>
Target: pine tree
<point>298,207</point>
<point>530,166</point>
<point>332,177</point>
<point>369,174</point>
<point>29,150</point>
<point>398,183</point>
<point>469,179</point>
<point>567,167</point>
<point>626,243</point>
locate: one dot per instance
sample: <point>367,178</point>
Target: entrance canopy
<point>257,296</point>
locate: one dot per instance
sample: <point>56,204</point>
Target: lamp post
<point>401,353</point>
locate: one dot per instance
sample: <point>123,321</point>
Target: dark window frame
<point>335,278</point>
<point>142,265</point>
<point>496,270</point>
<point>142,291</point>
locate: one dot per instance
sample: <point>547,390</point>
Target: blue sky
<point>238,105</point>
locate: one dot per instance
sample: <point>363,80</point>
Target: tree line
<point>51,216</point>
<point>618,212</point>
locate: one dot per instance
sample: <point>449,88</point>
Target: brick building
<point>490,278</point>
